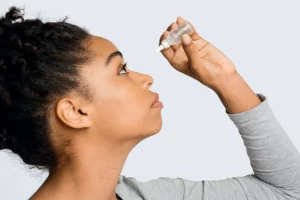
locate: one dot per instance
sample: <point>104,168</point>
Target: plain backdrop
<point>197,140</point>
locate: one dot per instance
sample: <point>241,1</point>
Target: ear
<point>70,113</point>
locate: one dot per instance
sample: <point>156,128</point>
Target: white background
<point>197,141</point>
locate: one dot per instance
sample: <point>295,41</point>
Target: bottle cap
<point>161,47</point>
<point>165,44</point>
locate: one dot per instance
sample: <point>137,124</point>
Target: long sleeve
<point>274,159</point>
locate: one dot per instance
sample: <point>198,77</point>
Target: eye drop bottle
<point>174,36</point>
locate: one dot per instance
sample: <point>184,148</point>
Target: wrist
<point>227,82</point>
<point>235,94</point>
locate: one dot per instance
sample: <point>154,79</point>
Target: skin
<point>202,61</point>
<point>102,133</point>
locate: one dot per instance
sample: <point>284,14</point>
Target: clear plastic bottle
<point>174,36</point>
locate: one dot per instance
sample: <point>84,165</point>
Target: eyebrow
<point>113,55</point>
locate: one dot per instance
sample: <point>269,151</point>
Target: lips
<point>156,98</point>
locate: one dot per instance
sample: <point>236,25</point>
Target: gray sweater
<point>274,159</point>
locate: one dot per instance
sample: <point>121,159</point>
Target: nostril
<point>150,84</point>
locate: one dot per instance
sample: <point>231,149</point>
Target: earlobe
<point>68,112</point>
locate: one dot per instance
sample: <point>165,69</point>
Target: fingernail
<point>186,40</point>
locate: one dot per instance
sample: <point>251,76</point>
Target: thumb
<point>188,45</point>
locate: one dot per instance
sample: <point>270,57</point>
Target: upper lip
<point>156,98</point>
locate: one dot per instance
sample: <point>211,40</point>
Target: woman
<point>70,105</point>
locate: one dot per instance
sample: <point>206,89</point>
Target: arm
<point>273,157</point>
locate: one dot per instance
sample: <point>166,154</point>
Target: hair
<point>39,64</point>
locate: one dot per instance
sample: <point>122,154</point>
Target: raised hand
<point>198,58</point>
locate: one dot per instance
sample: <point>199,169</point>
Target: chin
<point>147,130</point>
<point>154,129</point>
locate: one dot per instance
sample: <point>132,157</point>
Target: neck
<point>93,173</point>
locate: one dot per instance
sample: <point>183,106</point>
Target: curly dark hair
<point>39,64</point>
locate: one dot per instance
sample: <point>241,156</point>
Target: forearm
<point>236,95</point>
<point>273,156</point>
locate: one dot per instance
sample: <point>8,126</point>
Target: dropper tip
<point>161,47</point>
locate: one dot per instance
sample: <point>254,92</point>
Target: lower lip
<point>158,104</point>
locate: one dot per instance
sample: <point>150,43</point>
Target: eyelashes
<point>124,68</point>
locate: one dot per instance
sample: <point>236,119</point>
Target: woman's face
<point>122,100</point>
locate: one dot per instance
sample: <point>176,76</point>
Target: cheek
<point>129,107</point>
<point>122,109</point>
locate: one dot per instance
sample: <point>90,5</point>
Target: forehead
<point>101,47</point>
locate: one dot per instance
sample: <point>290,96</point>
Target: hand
<point>198,58</point>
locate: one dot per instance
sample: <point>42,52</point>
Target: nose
<point>144,80</point>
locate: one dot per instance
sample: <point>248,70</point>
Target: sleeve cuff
<point>255,112</point>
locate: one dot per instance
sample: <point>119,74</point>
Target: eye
<point>124,68</point>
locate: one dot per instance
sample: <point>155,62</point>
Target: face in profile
<point>121,109</point>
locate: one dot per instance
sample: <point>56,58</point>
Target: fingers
<point>180,20</point>
<point>188,45</point>
<point>172,26</point>
<point>169,53</point>
<point>163,36</point>
<point>194,35</point>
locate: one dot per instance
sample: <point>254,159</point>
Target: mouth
<point>156,103</point>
